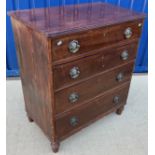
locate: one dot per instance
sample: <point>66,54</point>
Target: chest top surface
<point>68,19</point>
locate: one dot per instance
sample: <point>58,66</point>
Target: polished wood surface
<point>93,40</point>
<point>92,87</point>
<point>36,76</point>
<point>56,21</point>
<point>91,110</point>
<point>42,39</point>
<point>91,65</point>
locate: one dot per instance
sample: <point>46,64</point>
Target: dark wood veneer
<point>36,76</point>
<point>91,110</point>
<point>91,40</point>
<point>92,87</point>
<point>42,39</point>
<point>64,20</point>
<point>94,64</point>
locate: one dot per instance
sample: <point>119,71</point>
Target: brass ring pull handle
<point>124,55</point>
<point>74,72</point>
<point>73,97</point>
<point>120,77</point>
<point>74,121</point>
<point>116,99</point>
<point>74,46</point>
<point>128,33</point>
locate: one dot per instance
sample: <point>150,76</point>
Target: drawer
<point>74,71</point>
<point>83,115</point>
<point>74,45</point>
<point>82,92</point>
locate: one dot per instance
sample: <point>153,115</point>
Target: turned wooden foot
<point>120,110</point>
<point>55,146</point>
<point>30,119</point>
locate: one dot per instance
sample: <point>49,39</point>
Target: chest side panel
<point>34,59</point>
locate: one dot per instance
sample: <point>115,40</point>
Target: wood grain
<point>64,20</point>
<point>96,39</point>
<point>91,110</point>
<point>45,66</point>
<point>36,75</point>
<point>92,87</point>
<point>92,65</point>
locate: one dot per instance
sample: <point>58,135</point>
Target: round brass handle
<point>74,46</point>
<point>74,72</point>
<point>73,97</point>
<point>74,121</point>
<point>128,33</point>
<point>124,55</point>
<point>116,99</point>
<point>120,77</point>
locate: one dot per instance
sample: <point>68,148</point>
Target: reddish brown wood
<point>34,58</point>
<point>55,146</point>
<point>91,110</point>
<point>91,40</point>
<point>56,21</point>
<point>91,88</point>
<point>92,65</point>
<point>94,52</point>
<point>99,28</point>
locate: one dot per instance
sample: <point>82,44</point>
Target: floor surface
<point>111,135</point>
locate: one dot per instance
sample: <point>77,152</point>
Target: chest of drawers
<point>76,63</point>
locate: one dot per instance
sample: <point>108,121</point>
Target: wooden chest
<point>76,63</point>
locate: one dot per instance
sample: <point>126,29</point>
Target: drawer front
<point>83,115</point>
<point>82,43</point>
<point>74,71</point>
<point>77,94</point>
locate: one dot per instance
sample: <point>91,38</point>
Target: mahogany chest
<point>76,63</point>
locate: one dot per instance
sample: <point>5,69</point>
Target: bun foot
<point>30,119</point>
<point>120,110</point>
<point>55,147</point>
